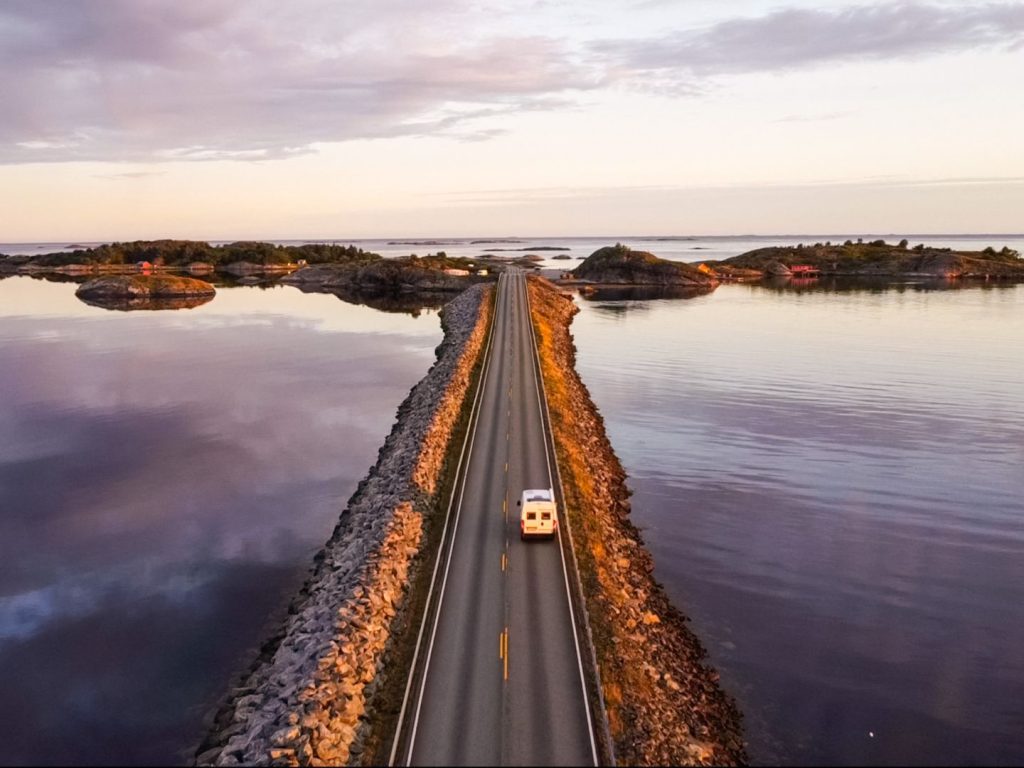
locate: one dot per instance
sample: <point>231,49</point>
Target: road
<point>499,678</point>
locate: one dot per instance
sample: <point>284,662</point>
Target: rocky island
<point>872,259</point>
<point>429,274</point>
<point>619,265</point>
<point>352,274</point>
<point>145,292</point>
<point>145,287</point>
<point>196,256</point>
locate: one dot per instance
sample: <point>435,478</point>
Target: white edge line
<point>467,441</point>
<point>568,592</point>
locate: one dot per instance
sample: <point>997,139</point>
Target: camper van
<point>537,517</point>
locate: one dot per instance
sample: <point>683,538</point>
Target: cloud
<point>792,38</point>
<point>142,80</point>
<point>127,175</point>
<point>149,80</point>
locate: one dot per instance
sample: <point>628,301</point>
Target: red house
<point>804,270</point>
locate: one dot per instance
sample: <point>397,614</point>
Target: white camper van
<point>538,516</point>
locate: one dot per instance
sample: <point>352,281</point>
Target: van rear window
<point>531,515</point>
<point>545,515</point>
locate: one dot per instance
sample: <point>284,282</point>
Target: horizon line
<point>442,239</point>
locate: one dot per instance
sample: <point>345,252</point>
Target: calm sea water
<point>832,485</point>
<point>830,477</point>
<point>165,478</point>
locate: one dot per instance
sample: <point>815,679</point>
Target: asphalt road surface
<point>500,679</point>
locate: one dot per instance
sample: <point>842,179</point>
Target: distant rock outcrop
<point>621,265</point>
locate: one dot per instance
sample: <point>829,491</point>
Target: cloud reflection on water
<point>164,481</point>
<point>830,483</point>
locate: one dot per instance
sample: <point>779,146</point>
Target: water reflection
<point>640,292</point>
<point>829,479</point>
<point>413,304</point>
<point>402,303</point>
<point>50,277</point>
<point>122,304</point>
<point>164,481</point>
<point>845,284</point>
<point>619,301</point>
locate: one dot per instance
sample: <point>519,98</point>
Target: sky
<point>216,119</point>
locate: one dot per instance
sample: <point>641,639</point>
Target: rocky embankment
<point>310,698</point>
<point>664,703</point>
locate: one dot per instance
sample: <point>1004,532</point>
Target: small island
<point>437,273</point>
<point>531,248</point>
<point>620,265</point>
<point>126,292</point>
<point>239,258</point>
<point>871,259</point>
<point>145,287</point>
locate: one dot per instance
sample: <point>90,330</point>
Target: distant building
<point>805,270</point>
<point>457,272</point>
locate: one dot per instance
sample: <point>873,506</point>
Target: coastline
<point>663,701</point>
<point>309,698</point>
